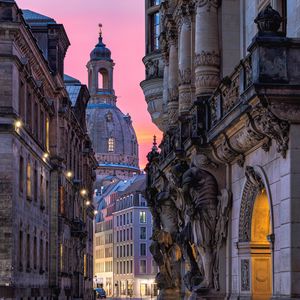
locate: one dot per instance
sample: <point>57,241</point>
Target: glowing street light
<point>69,174</point>
<point>45,155</point>
<point>95,212</point>
<point>83,192</point>
<point>87,202</point>
<point>18,124</point>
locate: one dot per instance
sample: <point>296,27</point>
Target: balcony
<point>153,87</point>
<point>255,104</point>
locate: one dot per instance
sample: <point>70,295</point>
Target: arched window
<point>111,144</point>
<point>90,79</point>
<point>103,79</point>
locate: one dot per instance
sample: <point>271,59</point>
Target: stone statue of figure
<point>200,190</point>
<point>165,250</point>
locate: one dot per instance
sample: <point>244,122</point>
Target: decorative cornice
<point>207,58</point>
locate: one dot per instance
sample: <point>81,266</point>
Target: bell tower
<point>100,74</point>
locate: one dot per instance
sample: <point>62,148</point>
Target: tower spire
<point>100,30</point>
<point>154,148</point>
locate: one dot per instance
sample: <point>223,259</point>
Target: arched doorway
<point>261,256</point>
<point>255,237</point>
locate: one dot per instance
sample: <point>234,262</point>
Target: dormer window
<point>111,144</point>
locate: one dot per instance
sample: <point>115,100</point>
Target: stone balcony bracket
<point>255,104</point>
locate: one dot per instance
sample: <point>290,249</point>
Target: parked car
<point>100,292</point>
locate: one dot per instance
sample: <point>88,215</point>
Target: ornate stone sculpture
<point>275,129</point>
<point>152,69</point>
<point>204,228</point>
<point>268,20</point>
<point>164,248</point>
<point>190,224</point>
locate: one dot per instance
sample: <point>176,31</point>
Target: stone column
<point>165,95</point>
<point>207,59</point>
<point>165,59</point>
<point>185,58</point>
<point>173,78</point>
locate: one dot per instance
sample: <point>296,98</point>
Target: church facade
<point>113,136</point>
<point>222,84</point>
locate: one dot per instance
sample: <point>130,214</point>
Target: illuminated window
<point>28,181</point>
<point>47,135</point>
<point>111,145</point>
<point>61,252</point>
<point>143,266</point>
<point>142,217</point>
<point>84,265</point>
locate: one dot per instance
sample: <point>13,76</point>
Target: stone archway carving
<point>254,184</point>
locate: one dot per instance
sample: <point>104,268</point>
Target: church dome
<point>100,51</point>
<point>113,136</point>
<point>114,139</point>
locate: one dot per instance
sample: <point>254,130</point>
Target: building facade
<point>221,84</point>
<point>103,256</point>
<point>134,267</point>
<point>46,226</point>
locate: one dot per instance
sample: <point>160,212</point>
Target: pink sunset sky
<point>123,33</point>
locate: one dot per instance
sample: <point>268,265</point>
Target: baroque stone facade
<point>46,164</point>
<point>223,187</point>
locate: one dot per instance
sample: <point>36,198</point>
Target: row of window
<point>123,203</point>
<point>35,251</point>
<point>34,115</point>
<point>125,267</point>
<point>104,253</point>
<point>125,219</point>
<point>127,234</point>
<point>104,267</point>
<point>33,183</point>
<point>124,235</point>
<point>104,226</point>
<point>104,239</point>
<point>124,250</point>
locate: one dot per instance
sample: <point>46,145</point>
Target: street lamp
<point>69,174</point>
<point>83,192</point>
<point>18,124</point>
